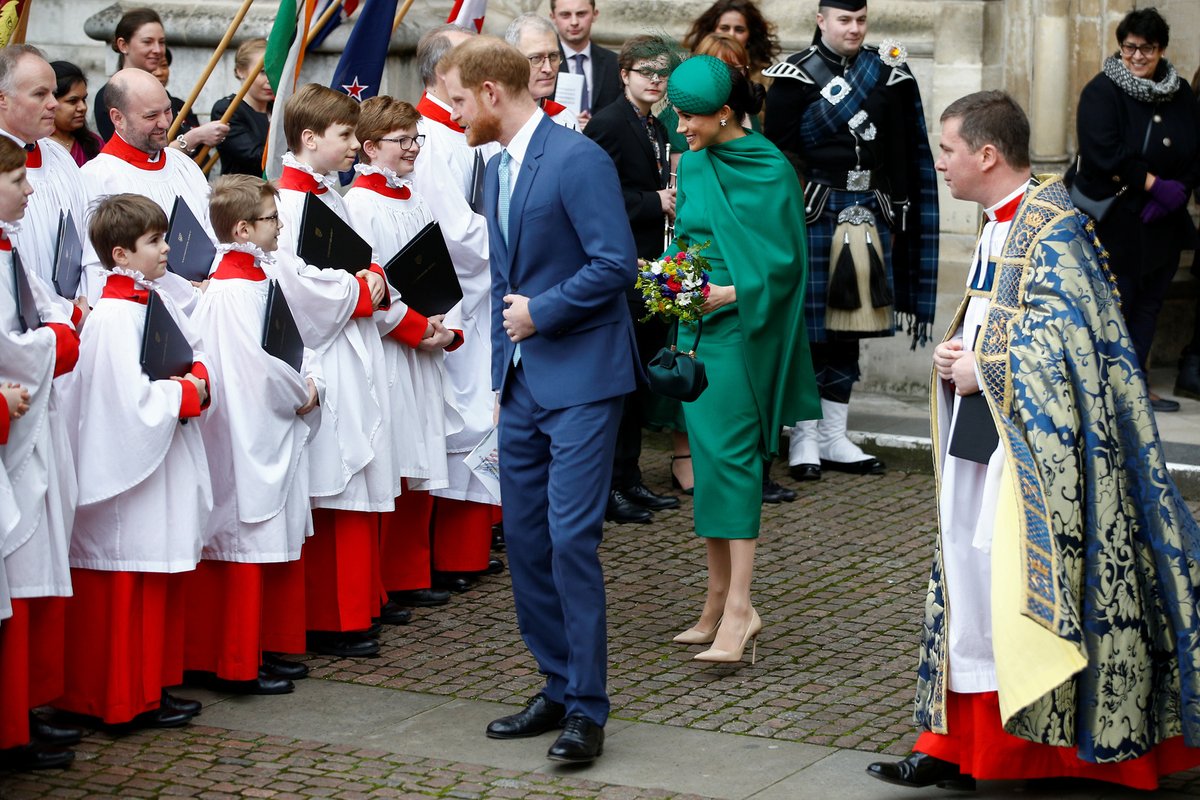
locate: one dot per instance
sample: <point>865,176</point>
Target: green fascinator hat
<point>700,85</point>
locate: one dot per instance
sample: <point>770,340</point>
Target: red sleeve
<point>411,329</point>
<point>364,307</point>
<point>387,293</point>
<point>4,423</point>
<point>66,347</point>
<point>189,406</point>
<point>76,315</point>
<point>458,340</point>
<point>201,372</point>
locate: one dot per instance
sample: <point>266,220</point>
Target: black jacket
<point>242,150</point>
<point>606,76</point>
<point>618,129</point>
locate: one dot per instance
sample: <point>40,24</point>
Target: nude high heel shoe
<point>733,656</point>
<point>696,636</point>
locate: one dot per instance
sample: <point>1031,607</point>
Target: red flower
<point>674,285</point>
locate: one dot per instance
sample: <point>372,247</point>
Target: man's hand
<point>962,373</point>
<point>517,322</point>
<point>200,384</point>
<point>375,284</point>
<point>437,336</point>
<point>312,398</point>
<point>944,356</point>
<point>666,197</point>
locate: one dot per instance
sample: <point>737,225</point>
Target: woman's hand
<point>210,133</point>
<point>718,297</point>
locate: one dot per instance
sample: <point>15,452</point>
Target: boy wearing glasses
<point>255,435</point>
<point>386,212</point>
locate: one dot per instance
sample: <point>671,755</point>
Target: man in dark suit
<point>637,143</point>
<point>563,357</point>
<point>602,79</point>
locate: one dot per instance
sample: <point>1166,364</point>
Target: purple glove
<point>1153,210</point>
<point>1169,194</point>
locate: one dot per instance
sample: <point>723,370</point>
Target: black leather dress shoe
<point>1164,406</point>
<point>581,742</point>
<point>805,472</point>
<point>920,770</point>
<point>772,492</point>
<point>639,494</point>
<point>540,715</point>
<point>498,537</point>
<point>456,582</point>
<point>495,567</point>
<point>622,510</point>
<point>159,718</point>
<point>265,683</point>
<point>868,466</point>
<point>342,645</point>
<point>420,598</point>
<point>393,614</point>
<point>45,733</point>
<point>280,667</point>
<point>182,705</point>
<point>31,756</point>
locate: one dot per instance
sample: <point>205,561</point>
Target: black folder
<point>68,257</point>
<point>424,274</point>
<point>192,251</point>
<point>27,311</point>
<point>327,241</point>
<point>165,350</point>
<point>281,337</point>
<point>475,193</point>
<point>974,437</point>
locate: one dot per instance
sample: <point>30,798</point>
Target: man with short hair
<point>580,55</point>
<point>850,114</point>
<point>137,160</point>
<point>1061,624</point>
<point>536,38</point>
<point>27,107</point>
<point>563,357</point>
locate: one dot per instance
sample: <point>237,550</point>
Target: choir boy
<point>255,434</point>
<point>351,471</point>
<point>36,459</point>
<point>144,492</point>
<point>388,213</point>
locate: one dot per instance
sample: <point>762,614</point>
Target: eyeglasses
<point>537,59</point>
<point>407,142</point>
<point>1145,49</point>
<point>651,74</point>
<point>273,218</point>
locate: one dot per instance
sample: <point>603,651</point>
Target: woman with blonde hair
<point>242,150</point>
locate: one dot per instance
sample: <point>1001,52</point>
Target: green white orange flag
<point>281,62</point>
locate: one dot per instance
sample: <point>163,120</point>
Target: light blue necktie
<point>505,193</point>
<point>502,213</point>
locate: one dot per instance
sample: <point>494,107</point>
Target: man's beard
<point>148,143</point>
<point>483,129</point>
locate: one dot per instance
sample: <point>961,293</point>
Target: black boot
<point>1188,382</point>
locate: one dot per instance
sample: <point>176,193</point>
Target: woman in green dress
<point>738,192</point>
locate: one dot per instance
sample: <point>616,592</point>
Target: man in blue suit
<point>563,357</point>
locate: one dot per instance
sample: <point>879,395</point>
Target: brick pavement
<point>840,583</point>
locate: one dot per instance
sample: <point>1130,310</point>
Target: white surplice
<point>423,404</point>
<point>967,504</point>
<point>255,442</point>
<point>144,492</point>
<point>442,177</point>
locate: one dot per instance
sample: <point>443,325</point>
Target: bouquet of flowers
<point>676,285</point>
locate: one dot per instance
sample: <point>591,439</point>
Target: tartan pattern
<point>916,257</point>
<point>820,239</point>
<point>823,119</point>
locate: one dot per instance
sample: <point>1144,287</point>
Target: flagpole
<point>212,64</point>
<point>253,74</point>
<point>400,15</point>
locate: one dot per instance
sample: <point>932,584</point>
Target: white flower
<point>656,268</point>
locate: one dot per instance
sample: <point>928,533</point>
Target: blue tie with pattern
<point>505,193</point>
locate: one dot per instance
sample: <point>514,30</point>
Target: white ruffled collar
<point>10,228</point>
<point>328,181</point>
<point>394,181</point>
<point>138,278</point>
<point>260,255</point>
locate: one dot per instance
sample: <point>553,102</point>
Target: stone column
<point>1050,97</point>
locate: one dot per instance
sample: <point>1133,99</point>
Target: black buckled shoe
<point>920,769</point>
<point>581,742</point>
<point>639,494</point>
<point>540,715</point>
<point>181,705</point>
<point>622,510</point>
<point>342,645</point>
<point>420,598</point>
<point>772,492</point>
<point>58,735</point>
<point>393,614</point>
<point>280,667</point>
<point>31,756</point>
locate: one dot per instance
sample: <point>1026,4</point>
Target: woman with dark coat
<point>1139,141</point>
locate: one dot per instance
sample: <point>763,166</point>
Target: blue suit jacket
<point>570,250</point>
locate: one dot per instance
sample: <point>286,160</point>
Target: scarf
<point>1144,90</point>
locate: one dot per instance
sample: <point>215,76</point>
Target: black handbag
<point>1096,209</point>
<point>676,374</point>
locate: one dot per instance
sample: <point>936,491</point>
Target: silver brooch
<point>836,90</point>
<point>892,53</point>
<point>855,215</point>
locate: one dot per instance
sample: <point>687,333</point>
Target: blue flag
<point>342,14</point>
<point>360,69</point>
